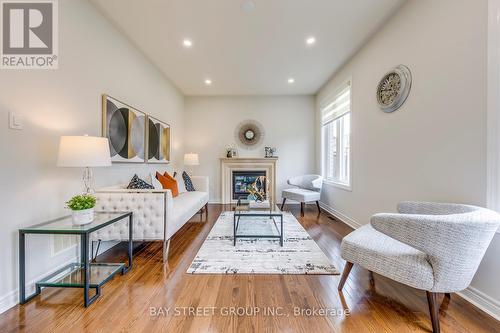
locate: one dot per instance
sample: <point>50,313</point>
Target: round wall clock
<point>249,134</point>
<point>394,88</point>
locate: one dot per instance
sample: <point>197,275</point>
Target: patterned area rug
<point>299,255</point>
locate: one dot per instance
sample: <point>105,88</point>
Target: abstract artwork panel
<point>125,127</point>
<point>158,141</point>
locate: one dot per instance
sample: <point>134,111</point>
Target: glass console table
<point>75,275</point>
<point>243,210</point>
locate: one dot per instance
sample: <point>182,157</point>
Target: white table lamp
<point>191,159</point>
<point>84,152</point>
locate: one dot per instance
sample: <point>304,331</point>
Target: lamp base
<point>88,181</point>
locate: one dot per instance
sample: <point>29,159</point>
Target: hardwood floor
<point>126,301</point>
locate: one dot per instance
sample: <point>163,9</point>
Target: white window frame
<point>325,101</point>
<point>493,108</point>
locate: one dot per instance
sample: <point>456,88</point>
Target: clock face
<point>394,88</point>
<point>249,135</point>
<point>389,89</point>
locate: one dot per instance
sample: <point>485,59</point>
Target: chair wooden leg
<point>283,203</point>
<point>345,274</point>
<point>372,279</point>
<point>434,311</point>
<point>166,247</point>
<point>317,205</point>
<point>301,209</point>
<point>447,295</point>
<point>206,210</point>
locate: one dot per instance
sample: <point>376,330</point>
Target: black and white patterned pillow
<point>138,184</point>
<point>188,182</point>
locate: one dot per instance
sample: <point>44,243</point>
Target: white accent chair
<point>308,189</point>
<point>436,247</point>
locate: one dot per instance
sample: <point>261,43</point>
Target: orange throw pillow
<point>168,183</point>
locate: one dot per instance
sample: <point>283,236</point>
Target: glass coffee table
<point>242,210</point>
<point>83,274</point>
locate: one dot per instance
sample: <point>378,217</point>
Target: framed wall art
<point>158,141</point>
<point>125,127</point>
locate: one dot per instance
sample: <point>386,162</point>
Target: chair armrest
<point>432,208</point>
<point>455,243</point>
<point>442,237</point>
<point>200,183</point>
<point>431,234</point>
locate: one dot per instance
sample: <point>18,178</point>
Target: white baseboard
<point>11,299</point>
<point>482,301</point>
<point>341,216</point>
<point>471,294</point>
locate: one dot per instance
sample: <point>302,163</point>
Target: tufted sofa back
<point>150,213</point>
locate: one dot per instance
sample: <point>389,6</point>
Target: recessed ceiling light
<point>291,80</point>
<point>208,82</point>
<point>311,40</point>
<point>187,43</point>
<point>248,6</point>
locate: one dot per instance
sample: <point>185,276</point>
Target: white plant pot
<point>83,216</point>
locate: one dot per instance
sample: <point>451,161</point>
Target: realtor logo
<point>29,34</point>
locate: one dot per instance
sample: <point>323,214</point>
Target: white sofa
<point>157,215</point>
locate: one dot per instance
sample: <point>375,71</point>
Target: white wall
<point>434,147</point>
<point>288,121</point>
<point>94,59</point>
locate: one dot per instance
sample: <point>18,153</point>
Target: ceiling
<point>245,50</point>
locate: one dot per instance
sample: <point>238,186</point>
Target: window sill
<point>341,186</point>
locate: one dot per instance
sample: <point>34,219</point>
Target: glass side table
<point>75,275</point>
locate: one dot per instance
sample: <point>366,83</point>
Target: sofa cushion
<point>386,256</point>
<point>137,183</point>
<point>168,183</point>
<point>156,184</point>
<point>180,182</point>
<point>185,205</point>
<point>188,182</point>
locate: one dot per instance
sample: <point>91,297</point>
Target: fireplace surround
<point>247,164</point>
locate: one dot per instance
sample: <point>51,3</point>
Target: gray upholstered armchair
<point>430,246</point>
<point>307,189</point>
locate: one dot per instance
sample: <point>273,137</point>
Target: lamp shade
<point>191,159</point>
<point>83,151</point>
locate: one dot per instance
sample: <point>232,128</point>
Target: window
<point>336,137</point>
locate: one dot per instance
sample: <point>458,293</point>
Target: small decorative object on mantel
<point>249,134</point>
<point>231,152</point>
<point>82,207</point>
<point>394,88</point>
<point>270,151</point>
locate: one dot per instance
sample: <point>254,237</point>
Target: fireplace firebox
<point>242,180</point>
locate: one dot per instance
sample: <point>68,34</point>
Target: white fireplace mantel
<point>228,165</point>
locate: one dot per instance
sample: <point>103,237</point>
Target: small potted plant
<point>82,207</point>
